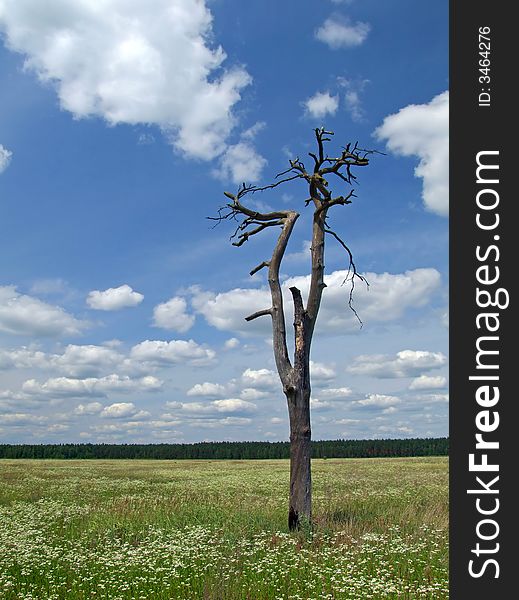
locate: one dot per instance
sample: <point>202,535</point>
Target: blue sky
<point>122,123</point>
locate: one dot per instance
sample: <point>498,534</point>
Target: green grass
<point>217,530</point>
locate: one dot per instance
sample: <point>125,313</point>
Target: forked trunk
<point>300,503</point>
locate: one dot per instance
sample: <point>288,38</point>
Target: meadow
<point>216,530</point>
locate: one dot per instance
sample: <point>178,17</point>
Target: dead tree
<point>295,374</point>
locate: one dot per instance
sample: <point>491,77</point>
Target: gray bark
<point>296,378</point>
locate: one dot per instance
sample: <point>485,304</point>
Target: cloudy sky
<point>122,123</point>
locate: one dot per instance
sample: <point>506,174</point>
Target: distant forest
<point>231,450</point>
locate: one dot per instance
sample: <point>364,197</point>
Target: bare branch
<point>351,269</point>
<point>273,185</point>
<point>242,238</point>
<point>259,313</point>
<point>265,263</point>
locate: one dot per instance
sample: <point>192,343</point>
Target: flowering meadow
<point>216,530</point>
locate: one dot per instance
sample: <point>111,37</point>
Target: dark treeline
<point>232,450</point>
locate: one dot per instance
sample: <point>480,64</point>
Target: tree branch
<point>351,269</point>
<point>259,313</point>
<point>242,238</point>
<point>265,263</point>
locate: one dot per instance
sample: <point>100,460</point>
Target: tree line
<point>231,450</point>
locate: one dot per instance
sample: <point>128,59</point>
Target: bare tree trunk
<point>298,398</point>
<point>295,377</point>
<point>300,502</point>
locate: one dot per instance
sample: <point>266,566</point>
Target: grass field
<point>217,530</point>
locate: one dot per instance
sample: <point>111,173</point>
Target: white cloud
<point>5,158</point>
<point>241,162</point>
<point>22,358</point>
<point>387,299</point>
<point>235,421</point>
<point>260,378</point>
<point>92,408</point>
<point>91,386</point>
<point>338,32</point>
<point>206,409</point>
<point>407,363</point>
<point>252,132</point>
<point>422,130</point>
<point>353,104</point>
<point>25,315</point>
<point>321,104</point>
<point>81,361</point>
<point>378,400</point>
<point>318,405</point>
<point>231,343</point>
<point>335,393</point>
<point>57,428</point>
<point>234,405</point>
<point>423,398</point>
<point>352,97</point>
<point>320,372</point>
<point>114,298</point>
<point>425,382</point>
<point>139,62</point>
<point>396,430</point>
<point>119,410</point>
<point>17,419</point>
<point>162,353</point>
<point>227,310</point>
<point>207,389</point>
<point>173,315</point>
<point>253,394</point>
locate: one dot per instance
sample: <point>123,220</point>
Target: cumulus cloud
<point>114,298</point>
<point>119,410</point>
<point>19,419</point>
<point>253,394</point>
<point>424,398</point>
<point>62,387</point>
<point>260,378</point>
<point>139,62</point>
<point>318,405</point>
<point>241,162</point>
<point>161,353</point>
<point>422,130</point>
<point>387,299</point>
<point>426,382</point>
<point>5,158</point>
<point>321,104</point>
<point>22,358</point>
<point>231,343</point>
<point>85,360</point>
<point>378,400</point>
<point>25,315</point>
<point>204,409</point>
<point>321,372</point>
<point>338,32</point>
<point>207,389</point>
<point>227,310</point>
<point>407,363</point>
<point>335,393</point>
<point>234,405</point>
<point>173,315</point>
<point>91,408</point>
